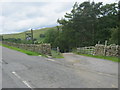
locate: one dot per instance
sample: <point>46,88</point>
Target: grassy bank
<point>114,59</point>
<point>56,54</point>
<point>36,34</point>
<point>23,51</point>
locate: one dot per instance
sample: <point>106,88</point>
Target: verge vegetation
<point>55,54</point>
<point>114,59</point>
<point>23,51</point>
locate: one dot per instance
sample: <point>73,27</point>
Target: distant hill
<point>36,34</point>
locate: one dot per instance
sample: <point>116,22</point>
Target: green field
<point>36,34</point>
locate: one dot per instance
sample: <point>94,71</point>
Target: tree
<point>89,23</point>
<point>42,35</point>
<point>85,25</point>
<point>119,10</point>
<point>51,36</point>
<point>78,26</point>
<point>115,36</point>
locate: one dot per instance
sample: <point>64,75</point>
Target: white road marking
<point>16,75</point>
<point>25,82</point>
<point>113,86</point>
<point>100,73</point>
<point>108,74</point>
<point>105,74</point>
<point>51,59</point>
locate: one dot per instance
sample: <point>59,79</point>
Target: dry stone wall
<point>39,48</point>
<point>111,50</point>
<point>101,50</point>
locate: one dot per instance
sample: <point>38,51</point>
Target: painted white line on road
<point>25,82</point>
<point>51,59</point>
<point>100,73</point>
<point>113,86</point>
<point>108,74</point>
<point>16,75</point>
<point>105,74</point>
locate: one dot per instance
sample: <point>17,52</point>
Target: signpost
<point>29,36</point>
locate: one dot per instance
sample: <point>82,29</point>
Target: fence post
<point>58,50</point>
<point>98,42</point>
<point>105,48</point>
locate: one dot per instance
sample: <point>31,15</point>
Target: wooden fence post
<point>105,48</point>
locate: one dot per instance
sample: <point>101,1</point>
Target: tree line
<point>85,25</point>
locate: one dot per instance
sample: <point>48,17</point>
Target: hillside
<point>36,34</point>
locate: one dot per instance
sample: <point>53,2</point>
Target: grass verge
<point>56,54</point>
<point>23,51</point>
<point>114,59</point>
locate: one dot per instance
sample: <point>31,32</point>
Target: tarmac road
<point>22,71</point>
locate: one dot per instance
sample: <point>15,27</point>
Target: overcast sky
<point>20,15</point>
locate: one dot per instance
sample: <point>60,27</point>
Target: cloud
<point>20,15</point>
<point>105,1</point>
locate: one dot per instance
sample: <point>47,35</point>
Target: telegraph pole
<point>119,10</point>
<point>32,36</point>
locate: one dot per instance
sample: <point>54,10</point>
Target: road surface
<point>0,68</point>
<point>22,71</point>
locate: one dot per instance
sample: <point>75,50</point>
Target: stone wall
<point>101,50</point>
<point>111,50</point>
<point>39,48</point>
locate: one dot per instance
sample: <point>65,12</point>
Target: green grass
<point>23,51</point>
<point>36,34</point>
<point>56,54</point>
<point>114,59</point>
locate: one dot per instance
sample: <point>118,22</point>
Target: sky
<point>20,15</point>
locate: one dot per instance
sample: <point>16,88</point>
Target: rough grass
<point>23,51</point>
<point>56,54</point>
<point>36,34</point>
<point>114,59</point>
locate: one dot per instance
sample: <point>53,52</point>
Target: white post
<point>105,48</point>
<point>58,50</point>
<point>98,42</point>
